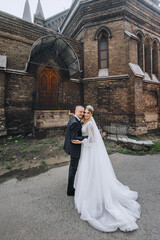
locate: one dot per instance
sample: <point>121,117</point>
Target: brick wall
<point>51,118</point>
<point>118,47</point>
<point>3,129</point>
<point>17,52</point>
<point>18,102</point>
<point>151,105</point>
<point>137,125</point>
<point>110,100</point>
<point>69,95</point>
<point>123,104</point>
<point>19,112</point>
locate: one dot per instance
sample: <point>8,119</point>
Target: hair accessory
<point>90,107</point>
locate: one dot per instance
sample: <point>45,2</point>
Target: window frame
<point>103,36</point>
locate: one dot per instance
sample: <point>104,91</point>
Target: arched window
<point>140,50</point>
<point>155,58</point>
<point>103,50</point>
<point>147,51</point>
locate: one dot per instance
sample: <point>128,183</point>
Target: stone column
<point>137,125</point>
<point>3,130</point>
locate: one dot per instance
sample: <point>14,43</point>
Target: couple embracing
<point>99,197</point>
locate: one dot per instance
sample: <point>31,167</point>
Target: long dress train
<point>99,197</point>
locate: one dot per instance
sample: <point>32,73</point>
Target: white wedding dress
<point>99,197</point>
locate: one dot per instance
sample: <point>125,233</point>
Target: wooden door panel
<point>48,88</point>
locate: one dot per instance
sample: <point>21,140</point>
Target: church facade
<point>106,54</point>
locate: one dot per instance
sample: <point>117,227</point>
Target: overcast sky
<point>50,7</point>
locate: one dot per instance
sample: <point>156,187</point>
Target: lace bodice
<point>88,130</point>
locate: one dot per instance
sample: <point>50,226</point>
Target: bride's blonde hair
<point>90,109</point>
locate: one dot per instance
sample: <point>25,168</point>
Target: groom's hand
<point>76,142</point>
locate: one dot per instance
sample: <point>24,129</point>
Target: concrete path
<point>37,208</point>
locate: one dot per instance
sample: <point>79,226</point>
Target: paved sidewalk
<point>37,208</point>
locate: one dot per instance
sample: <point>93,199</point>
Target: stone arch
<point>139,32</point>
<point>54,48</point>
<point>157,41</point>
<point>148,38</point>
<point>103,29</point>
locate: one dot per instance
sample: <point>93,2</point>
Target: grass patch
<point>44,163</point>
<point>36,150</point>
<point>23,149</point>
<point>61,146</point>
<point>15,151</point>
<point>126,151</point>
<point>10,159</point>
<point>53,141</point>
<point>9,166</point>
<point>155,148</point>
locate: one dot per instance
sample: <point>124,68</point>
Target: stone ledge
<point>125,139</point>
<point>18,72</point>
<point>115,77</point>
<point>151,82</point>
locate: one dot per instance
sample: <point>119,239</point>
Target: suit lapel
<point>78,121</point>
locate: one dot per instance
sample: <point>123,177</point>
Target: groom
<point>74,150</point>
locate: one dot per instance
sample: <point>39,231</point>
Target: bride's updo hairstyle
<point>90,109</point>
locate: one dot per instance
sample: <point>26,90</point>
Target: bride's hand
<point>76,142</point>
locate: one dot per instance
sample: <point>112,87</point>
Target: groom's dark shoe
<point>70,193</point>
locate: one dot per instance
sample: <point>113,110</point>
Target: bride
<point>99,197</point>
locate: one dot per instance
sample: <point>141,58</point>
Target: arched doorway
<point>52,62</point>
<point>48,88</point>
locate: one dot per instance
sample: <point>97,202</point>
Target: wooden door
<point>48,88</point>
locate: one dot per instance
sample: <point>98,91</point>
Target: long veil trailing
<point>100,198</point>
<point>100,144</point>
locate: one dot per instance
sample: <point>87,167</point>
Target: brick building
<point>107,55</point>
<point>36,69</point>
<point>121,40</point>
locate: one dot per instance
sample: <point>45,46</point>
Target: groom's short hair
<point>78,106</point>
